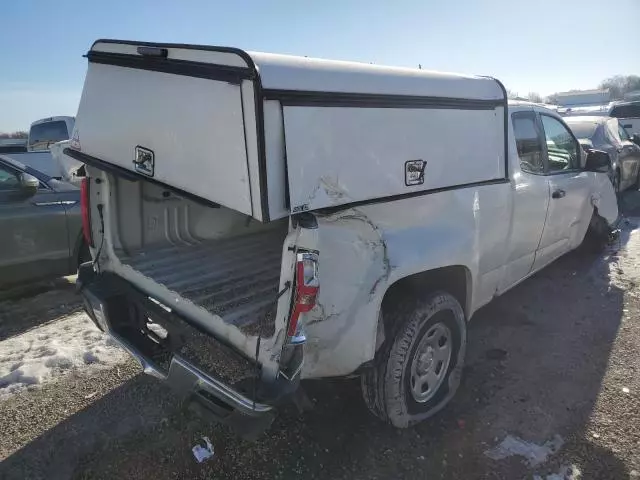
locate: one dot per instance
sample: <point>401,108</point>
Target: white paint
<point>286,72</point>
<point>341,155</point>
<point>532,453</point>
<point>205,134</point>
<point>492,231</point>
<point>47,352</point>
<point>194,126</point>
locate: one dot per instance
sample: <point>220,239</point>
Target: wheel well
<point>455,279</point>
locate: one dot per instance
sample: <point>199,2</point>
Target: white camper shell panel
<point>269,135</point>
<point>344,155</point>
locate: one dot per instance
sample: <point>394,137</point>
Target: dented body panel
<point>371,247</point>
<point>493,231</point>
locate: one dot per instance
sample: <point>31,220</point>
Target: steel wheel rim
<point>430,362</point>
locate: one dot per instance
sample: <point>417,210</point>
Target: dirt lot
<point>554,360</point>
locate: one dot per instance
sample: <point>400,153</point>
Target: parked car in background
<point>607,134</point>
<point>47,131</point>
<point>40,225</point>
<point>628,113</point>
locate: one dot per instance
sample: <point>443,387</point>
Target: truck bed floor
<point>236,278</point>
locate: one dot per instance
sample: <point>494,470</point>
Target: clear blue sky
<point>543,46</point>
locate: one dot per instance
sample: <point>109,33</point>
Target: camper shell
<point>272,135</point>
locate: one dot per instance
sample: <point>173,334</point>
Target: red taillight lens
<point>85,209</point>
<point>307,287</point>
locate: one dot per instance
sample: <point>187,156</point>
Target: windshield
<point>583,129</point>
<point>44,134</point>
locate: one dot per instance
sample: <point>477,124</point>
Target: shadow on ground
<point>29,306</point>
<point>536,362</point>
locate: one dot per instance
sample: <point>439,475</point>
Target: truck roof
<point>51,119</point>
<point>296,73</point>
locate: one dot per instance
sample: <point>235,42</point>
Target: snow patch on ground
<point>533,453</point>
<point>626,252</point>
<point>44,353</point>
<point>566,472</point>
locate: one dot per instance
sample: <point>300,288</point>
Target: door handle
<point>628,125</point>
<point>558,194</point>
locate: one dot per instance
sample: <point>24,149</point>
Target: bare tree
<point>511,94</point>
<point>553,98</point>
<point>18,134</point>
<point>618,85</point>
<point>534,97</point>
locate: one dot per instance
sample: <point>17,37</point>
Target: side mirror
<point>635,138</point>
<point>598,161</point>
<point>586,144</point>
<point>28,184</point>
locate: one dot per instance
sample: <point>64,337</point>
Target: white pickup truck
<point>256,219</point>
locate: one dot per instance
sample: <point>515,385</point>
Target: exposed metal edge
<point>147,366</point>
<point>179,367</point>
<point>219,389</point>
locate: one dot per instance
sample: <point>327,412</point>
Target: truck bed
<point>236,278</point>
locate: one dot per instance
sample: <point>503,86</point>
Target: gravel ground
<point>556,356</point>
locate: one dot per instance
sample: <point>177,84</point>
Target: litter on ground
<point>533,454</point>
<point>201,452</point>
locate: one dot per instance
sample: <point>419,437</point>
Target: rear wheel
<point>597,236</point>
<point>418,371</point>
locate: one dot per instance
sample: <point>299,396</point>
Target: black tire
<point>597,237</point>
<point>387,386</point>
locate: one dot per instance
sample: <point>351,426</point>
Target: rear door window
<point>47,133</point>
<point>631,110</point>
<point>528,142</point>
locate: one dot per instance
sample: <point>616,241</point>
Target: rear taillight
<point>306,291</point>
<point>85,209</point>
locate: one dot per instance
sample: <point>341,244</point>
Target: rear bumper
<point>109,301</point>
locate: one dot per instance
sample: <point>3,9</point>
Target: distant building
<point>583,97</point>
<point>635,95</point>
